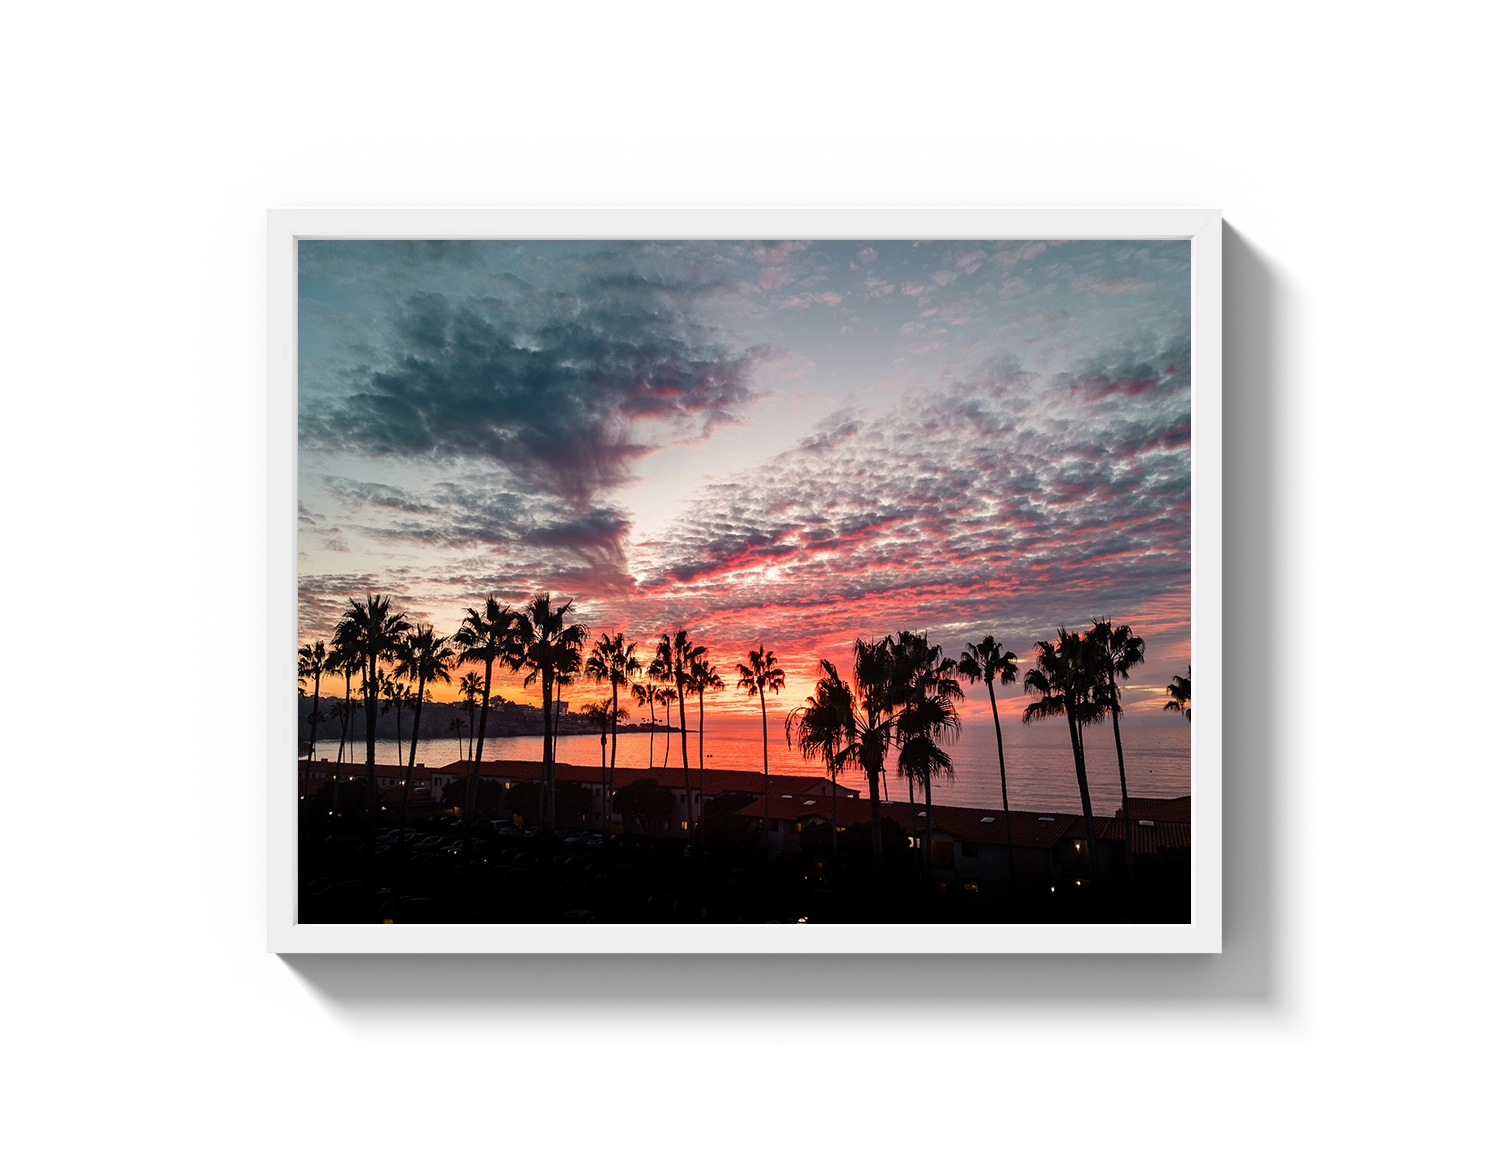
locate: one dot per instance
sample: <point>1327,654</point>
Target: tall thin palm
<point>1180,695</point>
<point>702,678</point>
<point>757,676</point>
<point>486,636</point>
<point>373,630</point>
<point>312,662</point>
<point>666,696</point>
<point>425,657</point>
<point>1065,680</point>
<point>614,661</point>
<point>675,655</point>
<point>1119,650</point>
<point>987,660</point>
<point>645,696</point>
<point>470,690</point>
<point>551,642</point>
<point>344,659</point>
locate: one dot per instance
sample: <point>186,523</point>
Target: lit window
<point>684,826</point>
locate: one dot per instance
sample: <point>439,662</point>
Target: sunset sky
<point>794,443</point>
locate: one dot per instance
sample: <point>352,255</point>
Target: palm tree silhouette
<point>821,729</point>
<point>645,696</point>
<point>675,655</point>
<point>1066,680</point>
<point>470,690</point>
<point>757,676</point>
<point>343,658</point>
<point>1180,692</point>
<point>598,715</point>
<point>702,678</point>
<point>398,697</point>
<point>312,661</point>
<point>495,634</point>
<point>864,715</point>
<point>612,660</point>
<point>1120,649</point>
<point>988,661</point>
<point>666,696</point>
<point>551,643</point>
<point>927,718</point>
<point>424,656</point>
<point>373,630</point>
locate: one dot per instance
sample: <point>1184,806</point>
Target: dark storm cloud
<point>563,388</point>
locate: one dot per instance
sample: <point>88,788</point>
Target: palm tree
<point>1066,681</point>
<point>645,696</point>
<point>470,690</point>
<point>702,678</point>
<point>426,657</point>
<point>566,669</point>
<point>613,660</point>
<point>312,661</point>
<point>863,714</point>
<point>1180,695</point>
<point>666,696</point>
<point>343,658</point>
<point>1119,650</point>
<point>821,728</point>
<point>494,635</point>
<point>598,715</point>
<point>675,655</point>
<point>986,660</point>
<point>759,675</point>
<point>549,643</point>
<point>927,717</point>
<point>397,696</point>
<point>373,630</point>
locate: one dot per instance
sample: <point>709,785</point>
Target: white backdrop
<point>1348,1016</point>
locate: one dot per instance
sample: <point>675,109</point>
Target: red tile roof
<point>324,770</point>
<point>712,781</point>
<point>1177,809</point>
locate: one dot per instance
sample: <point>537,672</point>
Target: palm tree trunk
<point>1081,768</point>
<point>345,726</point>
<point>651,735</point>
<point>687,778</point>
<point>765,759</point>
<point>312,735</point>
<point>873,776</point>
<point>911,807</point>
<point>546,750</point>
<point>372,716</point>
<point>700,743</point>
<point>416,727</point>
<point>1010,851</point>
<point>471,796</point>
<point>927,844</point>
<point>834,779</point>
<point>1114,715</point>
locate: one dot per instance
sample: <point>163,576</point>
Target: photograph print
<point>744,581</point>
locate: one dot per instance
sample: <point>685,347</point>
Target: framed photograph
<point>802,581</point>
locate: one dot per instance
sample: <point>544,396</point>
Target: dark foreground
<point>360,873</point>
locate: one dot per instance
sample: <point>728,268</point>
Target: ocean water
<point>1038,761</point>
